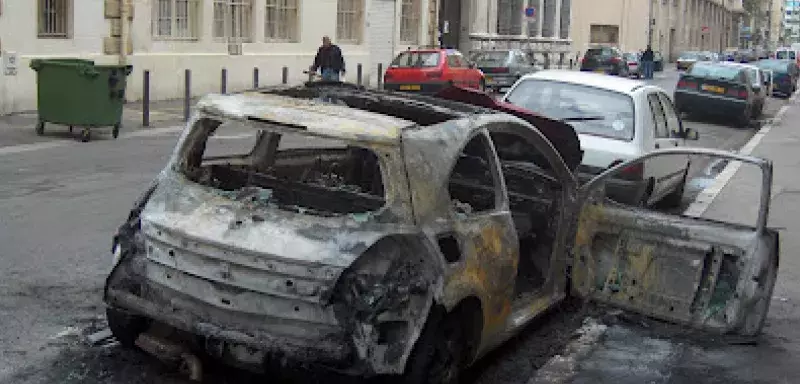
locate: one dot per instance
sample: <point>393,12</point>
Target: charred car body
<point>375,233</point>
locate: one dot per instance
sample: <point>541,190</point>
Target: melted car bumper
<point>225,337</point>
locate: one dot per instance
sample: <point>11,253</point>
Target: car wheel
<point>675,198</point>
<point>437,357</point>
<point>745,119</point>
<point>126,328</point>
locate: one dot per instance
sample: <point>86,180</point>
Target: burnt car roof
<point>350,112</point>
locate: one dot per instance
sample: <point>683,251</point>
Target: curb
<point>706,197</point>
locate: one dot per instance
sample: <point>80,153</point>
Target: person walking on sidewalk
<point>647,62</point>
<point>329,61</point>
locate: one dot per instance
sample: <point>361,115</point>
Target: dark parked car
<point>503,67</point>
<point>784,75</point>
<point>725,89</point>
<point>686,59</point>
<point>606,60</point>
<point>745,55</point>
<point>729,54</point>
<point>658,61</point>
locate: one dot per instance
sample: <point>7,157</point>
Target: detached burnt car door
<point>692,271</point>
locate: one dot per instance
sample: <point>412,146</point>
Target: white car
<point>617,119</point>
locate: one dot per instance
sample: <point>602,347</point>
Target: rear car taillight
<point>738,93</point>
<point>683,84</point>
<point>615,60</point>
<point>584,60</point>
<point>387,76</point>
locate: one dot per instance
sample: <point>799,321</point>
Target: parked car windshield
<point>774,65</point>
<point>416,59</point>
<point>590,110</point>
<point>708,70</point>
<point>631,56</point>
<point>785,55</point>
<point>490,58</point>
<point>688,55</point>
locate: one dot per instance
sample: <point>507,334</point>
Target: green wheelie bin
<point>78,93</point>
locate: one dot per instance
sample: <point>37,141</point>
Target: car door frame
<point>681,168</point>
<point>706,252</point>
<point>658,169</point>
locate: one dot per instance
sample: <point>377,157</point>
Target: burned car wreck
<point>372,233</point>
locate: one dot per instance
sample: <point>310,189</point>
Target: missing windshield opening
<point>289,171</point>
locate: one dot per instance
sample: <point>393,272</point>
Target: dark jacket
<point>329,57</point>
<point>648,55</point>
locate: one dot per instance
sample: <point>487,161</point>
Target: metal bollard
<point>285,75</point>
<point>546,61</point>
<point>187,95</point>
<point>223,86</point>
<point>560,61</point>
<point>255,77</point>
<point>146,99</point>
<point>380,75</point>
<point>571,63</point>
<point>359,73</point>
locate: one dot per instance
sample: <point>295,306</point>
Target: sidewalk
<point>625,352</point>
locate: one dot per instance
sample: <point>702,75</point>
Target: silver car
<point>502,68</point>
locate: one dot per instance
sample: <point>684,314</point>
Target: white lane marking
<point>707,195</point>
<point>21,148</point>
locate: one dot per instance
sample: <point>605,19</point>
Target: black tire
<point>745,119</point>
<point>437,357</point>
<point>40,128</point>
<point>675,198</point>
<point>125,328</point>
<point>115,131</point>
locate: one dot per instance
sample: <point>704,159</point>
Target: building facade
<point>539,26</point>
<point>791,21</point>
<point>675,25</point>
<point>167,37</point>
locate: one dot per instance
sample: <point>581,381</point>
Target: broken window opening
<point>290,171</point>
<point>535,203</point>
<point>473,185</point>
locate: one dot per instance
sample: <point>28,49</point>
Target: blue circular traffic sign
<point>530,11</point>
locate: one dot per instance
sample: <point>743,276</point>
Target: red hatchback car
<point>430,70</point>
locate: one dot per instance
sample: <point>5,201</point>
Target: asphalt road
<point>60,202</point>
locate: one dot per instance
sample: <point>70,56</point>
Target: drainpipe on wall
<point>125,31</point>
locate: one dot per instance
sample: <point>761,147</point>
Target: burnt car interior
<point>329,179</point>
<point>534,200</point>
<point>337,179</point>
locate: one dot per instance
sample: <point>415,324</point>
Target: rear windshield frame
<point>476,58</point>
<point>701,65</point>
<point>420,61</point>
<point>578,124</point>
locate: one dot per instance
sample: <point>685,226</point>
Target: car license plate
<point>410,87</point>
<point>712,88</point>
